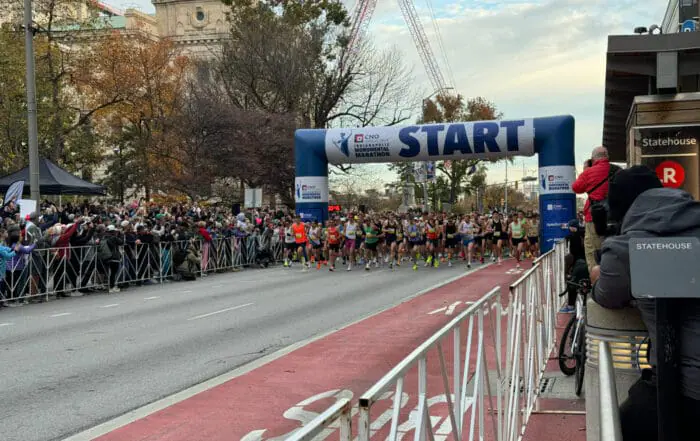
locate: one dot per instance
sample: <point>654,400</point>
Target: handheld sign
<point>665,267</point>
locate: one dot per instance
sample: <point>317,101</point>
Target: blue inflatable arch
<point>552,138</point>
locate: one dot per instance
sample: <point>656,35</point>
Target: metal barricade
<point>338,415</point>
<point>41,273</point>
<point>471,384</point>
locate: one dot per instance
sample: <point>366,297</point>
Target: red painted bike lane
<point>271,401</point>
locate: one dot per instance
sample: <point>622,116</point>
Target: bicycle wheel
<point>580,360</point>
<point>567,359</point>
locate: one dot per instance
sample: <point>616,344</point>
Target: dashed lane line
<point>233,308</point>
<point>61,314</point>
<point>111,305</point>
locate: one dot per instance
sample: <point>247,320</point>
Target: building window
<point>200,14</point>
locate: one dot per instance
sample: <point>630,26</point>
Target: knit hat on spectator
<point>626,185</point>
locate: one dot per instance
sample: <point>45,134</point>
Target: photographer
<point>642,208</point>
<point>594,180</point>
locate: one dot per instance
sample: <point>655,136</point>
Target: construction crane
<point>362,15</point>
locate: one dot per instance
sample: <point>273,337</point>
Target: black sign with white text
<point>672,153</point>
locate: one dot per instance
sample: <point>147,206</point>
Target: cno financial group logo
<point>364,145</point>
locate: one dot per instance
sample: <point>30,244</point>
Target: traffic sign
<point>671,174</point>
<point>688,26</point>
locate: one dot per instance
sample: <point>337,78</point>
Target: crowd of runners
<point>392,239</point>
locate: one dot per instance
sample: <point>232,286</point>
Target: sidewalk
<point>280,396</point>
<point>565,422</point>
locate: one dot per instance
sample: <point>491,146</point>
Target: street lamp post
<point>33,136</point>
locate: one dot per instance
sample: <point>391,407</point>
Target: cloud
<point>531,58</point>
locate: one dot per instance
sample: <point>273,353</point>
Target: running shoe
<point>415,267</point>
<point>566,309</point>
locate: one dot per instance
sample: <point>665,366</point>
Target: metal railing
<point>469,377</point>
<point>480,370</point>
<point>54,271</point>
<point>338,415</point>
<point>610,429</point>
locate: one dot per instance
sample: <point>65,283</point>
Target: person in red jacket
<point>594,182</point>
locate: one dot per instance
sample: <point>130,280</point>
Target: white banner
<point>557,179</point>
<point>311,189</point>
<point>26,207</point>
<point>430,142</point>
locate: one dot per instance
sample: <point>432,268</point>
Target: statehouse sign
<point>480,140</point>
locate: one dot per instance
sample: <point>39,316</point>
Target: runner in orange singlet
<point>300,237</point>
<point>332,243</point>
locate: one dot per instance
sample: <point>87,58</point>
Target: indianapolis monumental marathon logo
<point>364,145</point>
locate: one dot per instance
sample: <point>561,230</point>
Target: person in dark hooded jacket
<point>645,209</point>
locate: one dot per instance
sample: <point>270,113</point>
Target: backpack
<point>104,252</point>
<point>599,209</point>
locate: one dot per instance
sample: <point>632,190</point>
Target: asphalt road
<point>73,363</point>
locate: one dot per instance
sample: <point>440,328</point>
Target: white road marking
<point>111,305</point>
<point>233,308</point>
<point>452,307</point>
<point>6,324</point>
<point>217,286</point>
<point>62,314</point>
<point>444,308</point>
<point>187,291</point>
<point>163,403</point>
<point>151,298</point>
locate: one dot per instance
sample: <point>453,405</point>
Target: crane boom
<point>420,39</point>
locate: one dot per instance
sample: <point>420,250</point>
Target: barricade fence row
<point>54,271</point>
<point>486,366</point>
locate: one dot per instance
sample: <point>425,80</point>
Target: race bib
<point>299,236</point>
<point>413,234</point>
<point>450,236</point>
<point>497,233</point>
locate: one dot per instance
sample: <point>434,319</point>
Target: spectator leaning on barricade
<point>594,182</point>
<point>643,209</point>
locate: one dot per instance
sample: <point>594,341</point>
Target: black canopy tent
<point>53,180</point>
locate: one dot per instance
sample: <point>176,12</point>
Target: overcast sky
<point>531,58</point>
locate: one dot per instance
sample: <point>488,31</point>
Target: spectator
<point>6,253</point>
<point>576,268</point>
<point>644,209</point>
<point>594,182</point>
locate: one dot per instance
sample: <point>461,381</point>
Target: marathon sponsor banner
<point>672,152</point>
<point>556,179</point>
<point>430,142</point>
<point>555,214</point>
<point>311,189</point>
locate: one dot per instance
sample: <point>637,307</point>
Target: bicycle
<point>574,337</point>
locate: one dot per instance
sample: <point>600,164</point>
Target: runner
<point>466,232</point>
<point>315,243</point>
<point>390,242</point>
<point>451,239</point>
<point>433,241</point>
<point>496,226</point>
<point>350,238</point>
<point>517,232</point>
<point>371,243</point>
<point>533,236</point>
<point>289,244</point>
<point>301,242</point>
<point>333,238</point>
<point>414,242</point>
